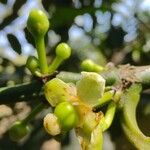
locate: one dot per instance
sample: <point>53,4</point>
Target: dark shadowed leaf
<point>4,1</point>
<point>14,14</point>
<point>14,43</point>
<point>29,37</point>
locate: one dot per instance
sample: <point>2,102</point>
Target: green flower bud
<point>67,116</point>
<point>90,88</point>
<point>56,91</point>
<point>37,23</point>
<point>63,51</point>
<point>18,131</point>
<point>32,63</point>
<point>90,66</point>
<point>51,124</point>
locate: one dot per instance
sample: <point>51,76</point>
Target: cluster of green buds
<point>73,105</point>
<point>62,120</point>
<point>38,25</point>
<point>78,105</point>
<point>69,101</point>
<point>64,117</point>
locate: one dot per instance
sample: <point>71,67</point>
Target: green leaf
<point>14,43</point>
<point>4,1</point>
<point>29,37</point>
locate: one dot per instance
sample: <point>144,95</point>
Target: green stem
<point>22,92</point>
<point>55,64</point>
<point>106,121</point>
<point>40,45</point>
<point>74,77</point>
<point>33,113</point>
<point>107,97</point>
<point>109,115</point>
<point>131,98</point>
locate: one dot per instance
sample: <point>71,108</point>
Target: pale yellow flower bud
<point>51,124</point>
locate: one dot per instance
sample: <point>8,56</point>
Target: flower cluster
<point>77,105</point>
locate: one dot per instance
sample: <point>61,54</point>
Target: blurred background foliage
<point>102,30</point>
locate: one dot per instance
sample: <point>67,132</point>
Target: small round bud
<point>32,63</point>
<point>87,65</point>
<point>90,66</point>
<point>37,23</point>
<point>18,131</point>
<point>63,51</point>
<point>67,116</point>
<point>51,124</point>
